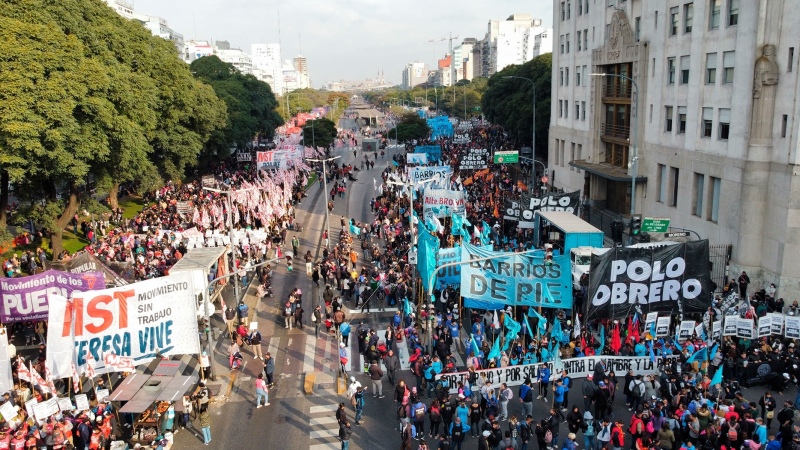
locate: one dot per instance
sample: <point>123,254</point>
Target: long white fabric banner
<point>575,367</point>
<point>116,329</point>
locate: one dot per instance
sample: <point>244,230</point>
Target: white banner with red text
<point>117,329</point>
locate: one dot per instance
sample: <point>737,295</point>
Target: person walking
<point>295,246</point>
<point>309,262</point>
<point>269,369</point>
<point>506,394</point>
<point>458,430</point>
<point>375,374</point>
<point>344,330</point>
<point>344,434</point>
<point>261,391</point>
<point>205,425</point>
<point>255,343</point>
<point>392,364</point>
<point>343,358</point>
<point>316,317</point>
<point>298,316</point>
<point>341,414</point>
<point>359,397</point>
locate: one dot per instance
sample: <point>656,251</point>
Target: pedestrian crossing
<point>323,431</point>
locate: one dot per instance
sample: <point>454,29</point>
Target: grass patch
<point>72,243</point>
<point>131,206</point>
<point>311,180</point>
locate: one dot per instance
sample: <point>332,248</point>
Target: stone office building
<point>708,125</point>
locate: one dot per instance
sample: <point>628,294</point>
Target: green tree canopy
<point>509,101</point>
<point>410,127</point>
<point>319,132</point>
<point>250,104</point>
<point>87,96</point>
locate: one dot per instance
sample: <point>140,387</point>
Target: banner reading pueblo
<point>667,279</point>
<point>26,298</point>
<point>576,367</point>
<point>131,323</point>
<point>525,209</point>
<point>516,279</point>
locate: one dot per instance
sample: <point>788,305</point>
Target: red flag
<point>76,379</point>
<point>38,380</point>
<point>616,343</point>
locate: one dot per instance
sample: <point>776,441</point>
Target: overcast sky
<point>343,39</point>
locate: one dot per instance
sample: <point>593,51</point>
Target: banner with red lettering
<point>122,327</point>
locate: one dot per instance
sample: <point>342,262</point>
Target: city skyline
<point>369,36</point>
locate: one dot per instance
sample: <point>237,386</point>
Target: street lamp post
<point>327,198</point>
<point>634,160</point>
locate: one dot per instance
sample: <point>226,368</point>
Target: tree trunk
<point>73,202</point>
<point>4,183</point>
<point>113,195</point>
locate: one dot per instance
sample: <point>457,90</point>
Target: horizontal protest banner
<point>575,367</point>
<point>443,202</point>
<point>25,298</point>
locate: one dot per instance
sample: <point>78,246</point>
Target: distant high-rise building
<point>415,73</point>
<point>301,65</point>
<point>236,57</point>
<point>267,66</point>
<point>512,41</point>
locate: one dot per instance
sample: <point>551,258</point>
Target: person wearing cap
<point>483,442</point>
<point>601,400</point>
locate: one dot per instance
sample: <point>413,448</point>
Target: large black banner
<point>524,209</point>
<point>116,273</point>
<point>668,279</point>
<point>474,159</point>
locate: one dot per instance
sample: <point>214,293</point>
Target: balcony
<point>615,131</point>
<point>617,91</point>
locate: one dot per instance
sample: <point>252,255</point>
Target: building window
<point>580,7</point>
<point>585,76</point>
<point>670,70</point>
<point>699,185</point>
<point>560,108</point>
<point>668,119</point>
<point>566,77</point>
<point>673,21</point>
<point>733,13</point>
<point>561,78</point>
<point>681,119</point>
<point>587,6</point>
<point>567,42</point>
<point>791,60</point>
<point>572,153</point>
<point>688,15</point>
<point>655,21</point>
<point>784,122</point>
<point>637,26</point>
<point>716,11</point>
<point>714,192</point>
<point>577,110</point>
<point>708,122</point>
<point>583,111</point>
<point>674,179</point>
<point>711,68</point>
<point>579,40</point>
<point>586,39</point>
<point>685,69</point>
<point>568,8</point>
<point>562,11</point>
<point>651,113</point>
<point>662,184</point>
<point>728,60</point>
<point>724,123</point>
<point>566,109</point>
<point>577,75</point>
<point>561,43</point>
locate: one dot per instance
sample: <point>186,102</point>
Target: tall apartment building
<point>467,56</point>
<point>236,57</point>
<point>511,41</point>
<point>300,64</point>
<point>711,114</point>
<point>267,66</point>
<point>414,73</point>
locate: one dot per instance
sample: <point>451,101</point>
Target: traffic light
<point>636,224</point>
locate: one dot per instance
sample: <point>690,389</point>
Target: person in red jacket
<point>617,436</point>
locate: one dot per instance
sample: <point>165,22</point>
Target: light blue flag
<point>528,326</point>
<point>699,355</point>
<point>457,227</point>
<point>713,352</point>
<point>653,329</point>
<point>555,332</point>
<point>474,346</point>
<point>428,249</point>
<point>652,353</point>
<point>513,330</point>
<point>355,230</point>
<point>542,323</point>
<point>717,376</point>
<point>485,230</point>
<point>406,307</point>
<point>495,352</point>
<point>602,339</point>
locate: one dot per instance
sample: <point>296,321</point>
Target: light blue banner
<point>434,152</point>
<point>448,276</point>
<point>516,279</point>
<point>440,127</point>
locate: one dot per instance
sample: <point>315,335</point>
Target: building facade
<point>415,73</point>
<point>237,58</point>
<point>511,41</point>
<point>158,26</point>
<point>267,65</point>
<point>698,99</point>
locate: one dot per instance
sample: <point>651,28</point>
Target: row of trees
<point>89,98</point>
<point>462,100</point>
<point>304,100</point>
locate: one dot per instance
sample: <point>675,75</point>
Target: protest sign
<point>65,404</point>
<point>417,158</point>
<point>45,409</point>
<point>777,323</point>
<point>81,402</point>
<point>432,152</point>
<point>717,330</point>
<point>685,330</point>
<point>524,209</point>
<point>443,202</point>
<point>30,404</point>
<point>139,321</point>
<point>662,326</point>
<point>730,325</point>
<point>461,138</point>
<point>744,328</point>
<point>440,176</point>
<point>668,279</point>
<point>518,279</point>
<point>8,411</point>
<point>792,327</point>
<point>25,298</point>
<point>475,159</point>
<point>764,326</point>
<point>576,367</point>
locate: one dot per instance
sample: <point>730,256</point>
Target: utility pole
<point>327,198</point>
